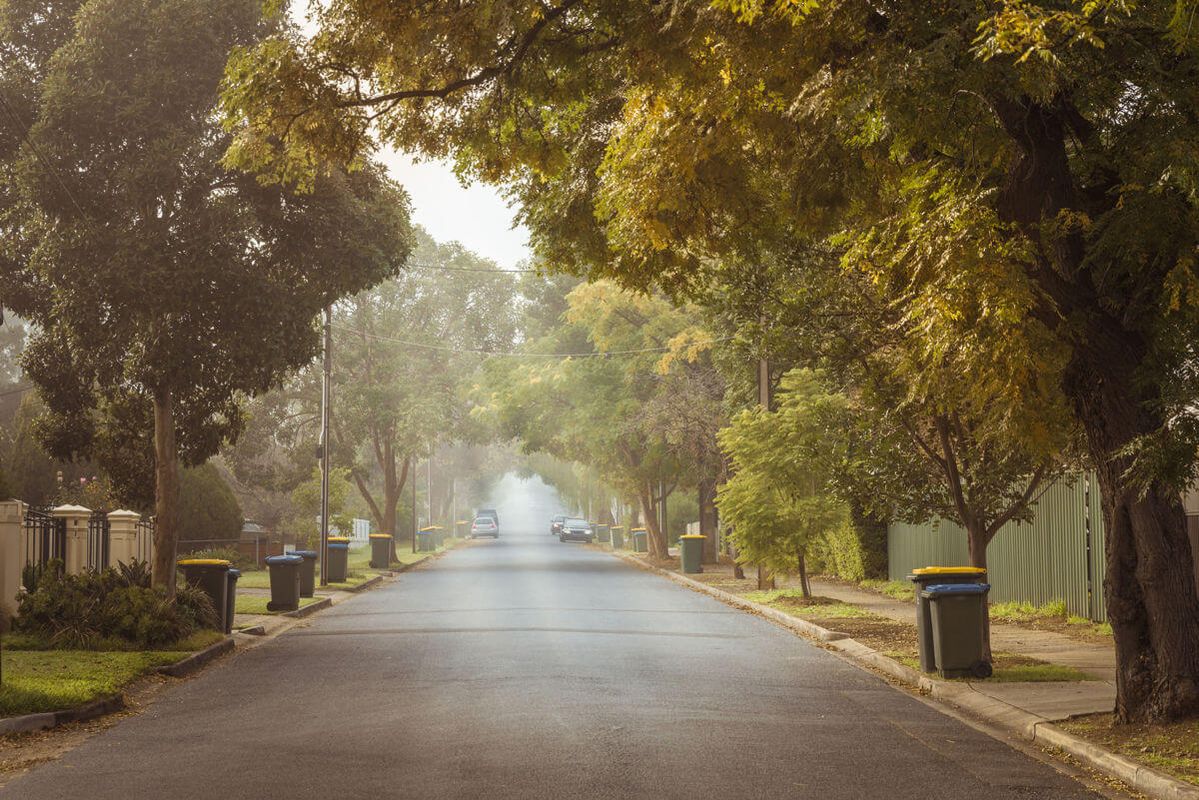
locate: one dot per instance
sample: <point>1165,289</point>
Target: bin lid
<point>693,536</point>
<point>956,588</point>
<point>287,558</point>
<point>339,538</point>
<point>949,570</point>
<point>235,573</point>
<point>304,553</point>
<point>637,530</point>
<point>380,536</point>
<point>339,545</point>
<point>203,562</point>
<point>431,528</point>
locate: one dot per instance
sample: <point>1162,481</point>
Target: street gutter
<point>1023,724</point>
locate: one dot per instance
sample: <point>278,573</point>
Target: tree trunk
<point>166,492</point>
<point>1150,587</point>
<point>654,536</point>
<point>765,579</point>
<point>707,519</point>
<point>977,540</point>
<point>804,587</point>
<point>1150,576</point>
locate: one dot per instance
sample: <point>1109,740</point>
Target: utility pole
<point>765,579</point>
<point>412,480</point>
<point>325,388</point>
<point>429,483</point>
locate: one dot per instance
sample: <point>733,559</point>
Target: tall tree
<point>168,286</point>
<point>406,352</point>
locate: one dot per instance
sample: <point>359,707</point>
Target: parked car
<point>489,512</point>
<point>577,530</point>
<point>484,526</point>
<point>556,524</point>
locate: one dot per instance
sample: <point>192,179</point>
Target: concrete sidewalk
<point>1051,700</point>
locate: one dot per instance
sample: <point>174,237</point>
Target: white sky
<point>476,215</point>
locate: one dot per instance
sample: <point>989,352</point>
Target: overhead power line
<point>483,270</point>
<point>512,353</point>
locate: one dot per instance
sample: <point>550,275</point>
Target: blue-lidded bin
<point>959,623</point>
<point>285,582</point>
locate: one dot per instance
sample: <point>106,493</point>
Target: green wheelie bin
<point>923,578</point>
<point>381,545</point>
<point>603,533</point>
<point>691,552</point>
<point>617,537</point>
<point>210,575</point>
<point>307,572</point>
<point>338,568</point>
<point>231,598</point>
<point>285,582</point>
<point>959,612</point>
<point>640,543</point>
<point>426,541</point>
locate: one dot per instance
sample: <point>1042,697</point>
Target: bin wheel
<point>981,669</point>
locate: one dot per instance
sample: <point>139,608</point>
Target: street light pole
<point>325,387</point>
<point>412,478</point>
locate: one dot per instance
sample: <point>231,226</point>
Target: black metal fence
<point>45,537</point>
<point>98,536</point>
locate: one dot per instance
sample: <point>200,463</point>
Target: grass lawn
<point>256,604</point>
<point>1053,617</point>
<point>358,564</point>
<point>49,680</point>
<point>898,640</point>
<point>1172,748</point>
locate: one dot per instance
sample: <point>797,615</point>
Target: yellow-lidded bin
<point>927,576</point>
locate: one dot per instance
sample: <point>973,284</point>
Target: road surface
<point>527,668</point>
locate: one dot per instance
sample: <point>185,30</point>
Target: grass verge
<point>197,641</point>
<point>1172,748</point>
<point>36,681</point>
<point>256,604</point>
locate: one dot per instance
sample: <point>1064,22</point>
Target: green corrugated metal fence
<point>1049,559</point>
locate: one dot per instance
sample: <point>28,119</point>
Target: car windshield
<point>484,521</point>
<point>577,523</point>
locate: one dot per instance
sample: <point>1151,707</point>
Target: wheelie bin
<point>231,598</point>
<point>640,543</point>
<point>307,572</point>
<point>380,551</point>
<point>285,582</point>
<point>691,552</point>
<point>210,575</point>
<point>617,537</point>
<point>923,578</point>
<point>425,542</point>
<point>338,568</point>
<point>603,533</point>
<point>959,613</point>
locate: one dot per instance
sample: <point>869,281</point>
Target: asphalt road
<point>526,668</point>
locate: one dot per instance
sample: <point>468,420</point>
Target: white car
<point>484,526</point>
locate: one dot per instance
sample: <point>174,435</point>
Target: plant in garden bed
<point>110,609</point>
<point>899,590</point>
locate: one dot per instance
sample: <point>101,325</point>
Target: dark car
<point>576,530</point>
<point>556,524</point>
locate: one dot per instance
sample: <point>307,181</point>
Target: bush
<point>108,609</point>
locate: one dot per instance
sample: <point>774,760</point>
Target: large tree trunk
<point>166,492</point>
<point>707,519</point>
<point>977,540</point>
<point>654,536</point>
<point>1150,580</point>
<point>1150,585</point>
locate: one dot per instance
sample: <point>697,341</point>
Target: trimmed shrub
<point>109,609</point>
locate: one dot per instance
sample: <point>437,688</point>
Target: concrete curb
<point>1003,715</point>
<point>367,584</point>
<point>197,660</point>
<point>311,608</point>
<point>28,723</point>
